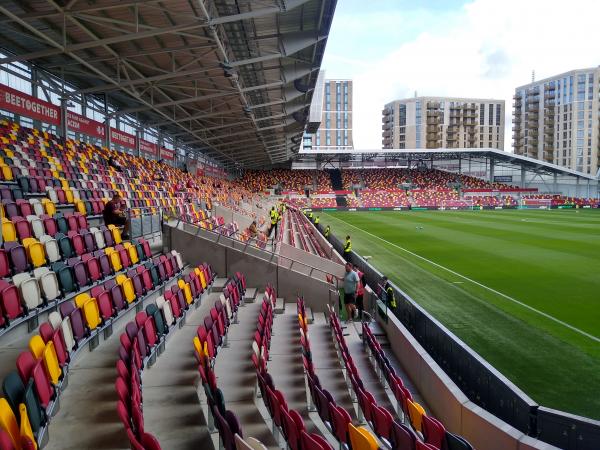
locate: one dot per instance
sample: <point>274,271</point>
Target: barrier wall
<point>227,256</point>
<point>485,387</point>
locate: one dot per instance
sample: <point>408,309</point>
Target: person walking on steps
<point>360,291</point>
<point>347,249</point>
<point>274,221</point>
<point>390,298</point>
<point>350,286</point>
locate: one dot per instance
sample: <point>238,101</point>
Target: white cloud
<point>485,49</point>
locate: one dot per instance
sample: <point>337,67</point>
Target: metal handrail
<point>271,253</point>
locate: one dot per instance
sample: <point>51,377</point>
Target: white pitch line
<point>507,297</point>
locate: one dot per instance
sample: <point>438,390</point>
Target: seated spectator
<point>114,215</point>
<point>252,230</point>
<point>113,163</point>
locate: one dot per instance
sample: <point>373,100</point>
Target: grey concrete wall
<point>447,402</point>
<point>227,256</point>
<point>334,268</point>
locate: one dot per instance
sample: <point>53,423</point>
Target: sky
<point>478,48</point>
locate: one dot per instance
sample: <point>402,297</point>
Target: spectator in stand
<point>252,230</point>
<point>348,249</point>
<point>113,163</point>
<point>360,291</point>
<point>350,286</point>
<point>114,215</point>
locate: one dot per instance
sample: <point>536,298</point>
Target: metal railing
<point>271,256</point>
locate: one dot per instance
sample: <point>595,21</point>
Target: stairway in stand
<point>335,175</point>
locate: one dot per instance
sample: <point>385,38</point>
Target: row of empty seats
<point>430,430</point>
<point>31,392</point>
<point>286,421</point>
<point>211,336</point>
<point>143,340</point>
<point>335,418</point>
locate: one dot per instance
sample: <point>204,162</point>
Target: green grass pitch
<point>521,287</point>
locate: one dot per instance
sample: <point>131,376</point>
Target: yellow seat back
<point>9,233</point>
<point>92,313</point>
<point>80,207</point>
<point>115,260</point>
<point>26,433</point>
<point>81,299</point>
<point>415,413</point>
<point>49,207</point>
<point>36,346</point>
<point>69,195</point>
<point>127,287</point>
<point>116,234</point>
<point>8,422</point>
<point>35,251</point>
<point>51,363</point>
<point>361,439</point>
<point>201,276</point>
<point>133,255</point>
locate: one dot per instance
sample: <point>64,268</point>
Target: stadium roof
<point>531,164</point>
<point>233,77</point>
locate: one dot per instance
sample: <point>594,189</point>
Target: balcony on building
<point>433,105</point>
<point>386,111</point>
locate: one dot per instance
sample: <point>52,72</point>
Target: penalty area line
<point>470,280</point>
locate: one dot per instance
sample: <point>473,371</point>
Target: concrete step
<point>279,305</point>
<point>250,295</point>
<point>219,284</point>
<point>310,318</point>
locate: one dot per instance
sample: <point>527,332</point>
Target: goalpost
<point>535,203</point>
<point>463,203</point>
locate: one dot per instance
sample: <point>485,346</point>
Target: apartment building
<point>556,120</point>
<point>335,131</point>
<point>443,122</point>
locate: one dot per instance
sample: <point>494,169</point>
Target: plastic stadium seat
<point>46,331</point>
<point>37,346</point>
<point>14,388</point>
<point>105,305</point>
<point>48,283</point>
<point>29,289</point>
<point>454,442</point>
<point>26,429</point>
<point>91,313</point>
<point>118,298</point>
<point>6,442</point>
<point>115,259</point>
<point>62,353</point>
<point>127,287</point>
<point>4,264</point>
<point>33,409</point>
<point>37,226</point>
<point>361,438</point>
<point>415,413</point>
<point>67,332</point>
<point>43,387</point>
<point>51,248</point>
<point>9,232</point>
<point>65,245</point>
<point>77,324</point>
<point>50,225</point>
<point>116,233</point>
<point>77,242</point>
<point>132,252</point>
<point>22,227</point>
<point>35,252</point>
<point>54,320</point>
<point>9,300</point>
<point>98,237</point>
<point>166,310</point>
<point>92,266</point>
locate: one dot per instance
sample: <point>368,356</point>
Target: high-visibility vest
<point>316,221</point>
<point>348,246</point>
<point>391,299</point>
<point>327,231</point>
<point>274,217</point>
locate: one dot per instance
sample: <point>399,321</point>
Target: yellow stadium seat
<point>36,346</point>
<point>9,233</point>
<point>35,251</point>
<point>64,183</point>
<point>92,313</point>
<point>51,363</point>
<point>361,438</point>
<point>80,207</point>
<point>187,291</point>
<point>69,195</point>
<point>415,413</point>
<point>81,299</point>
<point>25,431</point>
<point>7,173</point>
<point>115,259</point>
<point>201,276</point>
<point>8,422</point>
<point>116,234</point>
<point>49,207</point>
<point>127,286</point>
<point>133,255</point>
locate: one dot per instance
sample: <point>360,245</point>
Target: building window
<point>491,114</point>
<point>498,109</point>
<point>481,114</point>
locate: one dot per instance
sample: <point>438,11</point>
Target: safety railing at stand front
<point>145,222</point>
<point>250,247</point>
